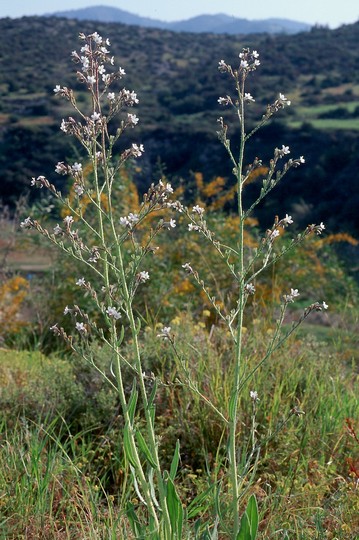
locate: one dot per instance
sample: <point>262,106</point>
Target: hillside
<point>176,78</point>
<point>218,24</point>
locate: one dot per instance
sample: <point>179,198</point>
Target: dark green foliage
<point>178,85</point>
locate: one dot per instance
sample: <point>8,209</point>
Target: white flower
<point>130,220</point>
<point>254,395</point>
<point>274,234</point>
<point>290,297</point>
<point>248,97</point>
<point>244,64</point>
<point>133,218</point>
<point>61,168</point>
<point>91,79</point>
<point>250,288</point>
<point>97,38</point>
<point>112,312</point>
<point>129,97</point>
<point>325,306</point>
<point>285,150</point>
<point>188,268</point>
<point>121,71</point>
<point>63,126</point>
<point>57,230</point>
<point>68,220</point>
<point>57,89</point>
<point>198,210</point>
<point>137,150</point>
<point>320,228</point>
<point>67,310</point>
<point>111,96</point>
<point>192,227</point>
<point>55,329</point>
<point>85,63</point>
<point>171,224</point>
<point>27,223</point>
<point>125,222</point>
<point>255,54</point>
<point>102,68</point>
<point>106,78</point>
<point>222,66</point>
<point>81,282</point>
<point>85,49</point>
<point>287,220</point>
<point>78,189</point>
<point>165,333</point>
<point>132,119</point>
<point>76,167</point>
<point>224,100</point>
<point>143,276</point>
<point>301,159</point>
<point>95,116</point>
<point>257,63</point>
<point>80,327</point>
<point>168,188</point>
<point>284,100</point>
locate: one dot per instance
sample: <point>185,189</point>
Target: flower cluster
<point>290,297</point>
<point>113,313</point>
<point>318,229</point>
<point>157,194</point>
<point>249,288</point>
<point>129,221</point>
<point>248,62</point>
<point>143,276</point>
<point>282,151</point>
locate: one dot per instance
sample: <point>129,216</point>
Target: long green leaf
<point>249,522</point>
<point>134,521</point>
<point>142,445</point>
<point>200,503</point>
<point>127,445</point>
<point>175,461</point>
<point>245,529</point>
<point>132,402</point>
<point>252,513</point>
<point>175,510</point>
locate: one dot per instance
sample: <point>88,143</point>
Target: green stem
<point>114,338</point>
<point>233,412</point>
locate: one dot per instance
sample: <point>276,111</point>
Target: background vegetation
<point>178,85</point>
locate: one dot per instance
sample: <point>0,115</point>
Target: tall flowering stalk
<point>105,245</point>
<point>244,273</point>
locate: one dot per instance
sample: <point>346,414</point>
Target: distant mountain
<point>216,24</point>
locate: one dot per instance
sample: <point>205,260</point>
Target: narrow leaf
<point>142,445</point>
<point>134,522</point>
<point>175,461</point>
<point>245,530</point>
<point>131,407</point>
<point>252,513</point>
<point>175,510</point>
<point>127,445</point>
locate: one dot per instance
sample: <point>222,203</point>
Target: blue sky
<point>324,12</point>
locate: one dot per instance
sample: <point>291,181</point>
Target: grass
<point>60,483</point>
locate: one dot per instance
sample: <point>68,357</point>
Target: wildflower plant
<point>245,272</point>
<point>114,250</point>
